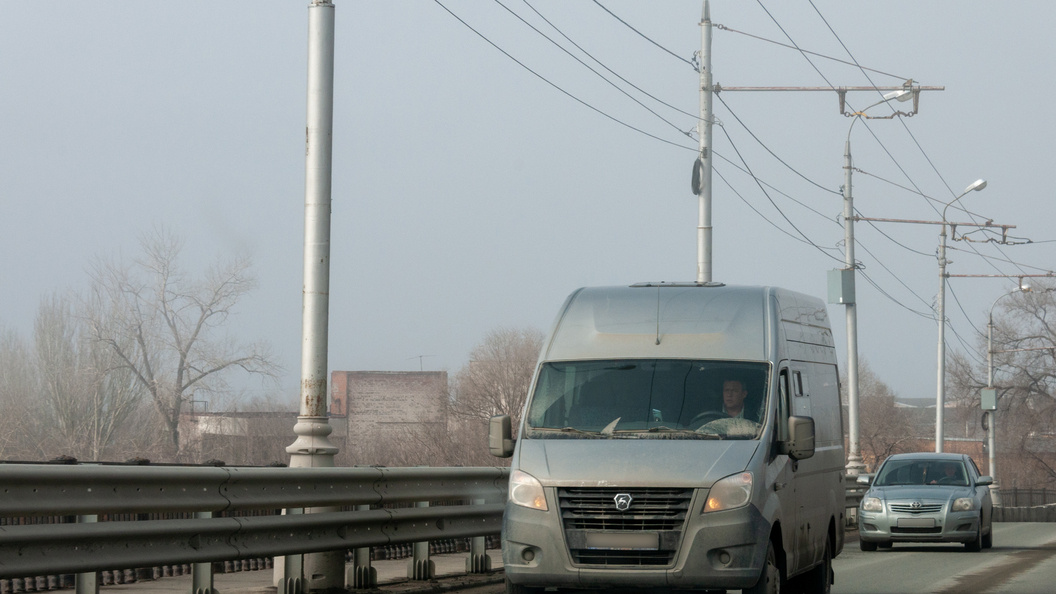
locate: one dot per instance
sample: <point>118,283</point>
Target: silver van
<point>678,436</point>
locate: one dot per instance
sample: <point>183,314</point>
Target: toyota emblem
<point>623,501</point>
<point>916,505</point>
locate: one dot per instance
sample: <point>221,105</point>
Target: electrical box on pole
<point>841,286</point>
<point>988,398</point>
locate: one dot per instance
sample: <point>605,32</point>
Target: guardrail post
<point>361,575</point>
<point>420,566</point>
<point>202,573</point>
<point>291,580</point>
<point>88,582</point>
<point>478,560</point>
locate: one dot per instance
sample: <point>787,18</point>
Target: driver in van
<point>733,395</point>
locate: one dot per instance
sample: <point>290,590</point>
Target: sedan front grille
<point>924,508</point>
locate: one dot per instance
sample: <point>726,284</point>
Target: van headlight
<point>526,491</point>
<point>872,504</point>
<point>729,493</point>
<point>963,504</point>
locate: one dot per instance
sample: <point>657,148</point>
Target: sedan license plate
<point>916,522</point>
<point>623,540</point>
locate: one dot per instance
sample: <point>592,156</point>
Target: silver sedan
<point>926,497</point>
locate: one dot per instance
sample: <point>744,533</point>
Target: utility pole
<point>855,466</point>
<point>312,448</point>
<point>940,398</point>
<point>702,168</point>
<point>841,285</point>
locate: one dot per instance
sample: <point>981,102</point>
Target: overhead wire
<point>771,200</point>
<point>913,137</point>
<point>611,71</point>
<point>829,83</point>
<point>971,350</point>
<point>772,153</point>
<point>799,49</point>
<point>646,37</point>
<point>747,203</point>
<point>584,64</point>
<point>557,87</point>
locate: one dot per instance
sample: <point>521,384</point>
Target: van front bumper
<point>717,550</point>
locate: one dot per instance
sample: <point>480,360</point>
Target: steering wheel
<point>950,480</point>
<point>706,417</point>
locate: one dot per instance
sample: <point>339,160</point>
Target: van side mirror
<point>500,436</point>
<point>800,444</point>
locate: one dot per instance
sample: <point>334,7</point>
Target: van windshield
<point>649,398</point>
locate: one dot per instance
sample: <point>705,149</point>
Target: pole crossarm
<point>842,92</point>
<point>1020,276</point>
<point>987,224</point>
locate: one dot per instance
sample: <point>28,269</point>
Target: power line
<point>584,64</point>
<point>904,125</point>
<point>803,51</point>
<point>558,88</point>
<point>774,204</point>
<point>614,73</point>
<point>772,153</point>
<point>646,37</point>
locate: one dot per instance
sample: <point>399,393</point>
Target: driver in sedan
<point>949,476</point>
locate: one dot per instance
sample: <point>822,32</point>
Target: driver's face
<point>733,395</point>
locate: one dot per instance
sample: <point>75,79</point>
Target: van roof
<point>680,320</point>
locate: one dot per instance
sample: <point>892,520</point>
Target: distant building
<point>378,404</point>
<point>239,438</point>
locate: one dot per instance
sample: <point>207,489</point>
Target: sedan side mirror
<point>864,479</point>
<point>984,481</point>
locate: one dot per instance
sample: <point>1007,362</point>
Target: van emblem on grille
<point>623,501</point>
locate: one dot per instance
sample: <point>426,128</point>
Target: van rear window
<point>649,398</point>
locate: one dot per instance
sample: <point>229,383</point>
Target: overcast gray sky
<point>470,193</point>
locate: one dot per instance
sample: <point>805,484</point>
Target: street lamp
<point>940,396</point>
<point>855,466</point>
<point>991,427</point>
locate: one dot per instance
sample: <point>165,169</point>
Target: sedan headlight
<point>963,504</point>
<point>872,504</point>
<point>527,491</point>
<point>731,492</point>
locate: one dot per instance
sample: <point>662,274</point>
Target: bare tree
<point>85,396</point>
<point>1024,366</point>
<point>884,428</point>
<point>18,388</point>
<point>164,326</point>
<point>497,377</point>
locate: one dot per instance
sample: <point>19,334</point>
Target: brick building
<point>381,404</point>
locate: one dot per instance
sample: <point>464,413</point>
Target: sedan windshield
<point>649,398</point>
<point>920,471</point>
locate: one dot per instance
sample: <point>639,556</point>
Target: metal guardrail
<point>88,490</point>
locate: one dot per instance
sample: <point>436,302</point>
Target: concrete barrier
<point>1039,513</point>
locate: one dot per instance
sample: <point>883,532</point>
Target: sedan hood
<point>921,492</point>
<point>633,462</point>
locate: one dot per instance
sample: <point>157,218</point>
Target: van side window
<point>783,407</point>
<point>797,383</point>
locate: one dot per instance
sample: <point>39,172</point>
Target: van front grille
<point>586,511</point>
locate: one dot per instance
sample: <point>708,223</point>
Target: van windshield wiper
<point>563,430</point>
<point>673,431</point>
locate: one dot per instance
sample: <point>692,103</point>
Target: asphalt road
<point>1022,561</point>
